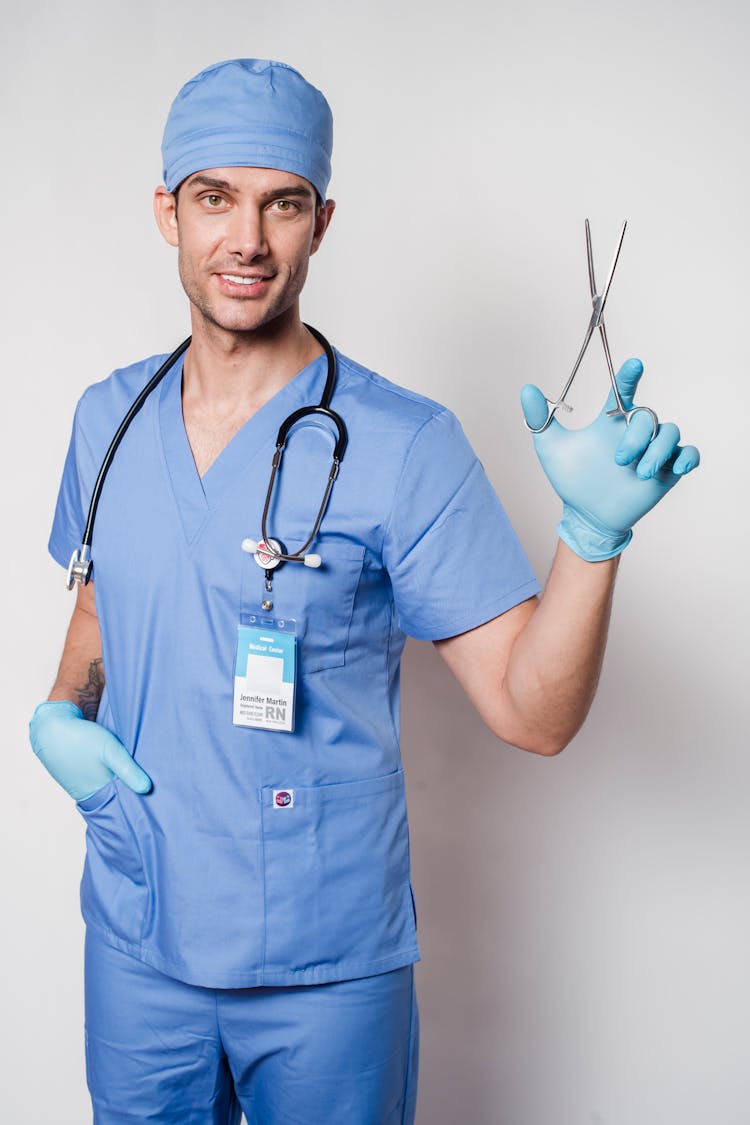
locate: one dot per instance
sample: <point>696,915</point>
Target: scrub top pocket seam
<point>350,561</point>
<point>336,869</point>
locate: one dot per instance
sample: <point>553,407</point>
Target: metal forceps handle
<point>598,301</point>
<point>619,408</point>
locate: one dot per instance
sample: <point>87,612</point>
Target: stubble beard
<point>266,313</point>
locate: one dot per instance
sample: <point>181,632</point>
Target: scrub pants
<point>160,1050</point>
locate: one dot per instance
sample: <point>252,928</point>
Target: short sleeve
<point>452,556</point>
<point>67,525</point>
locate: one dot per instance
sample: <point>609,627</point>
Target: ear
<point>323,218</point>
<point>165,212</point>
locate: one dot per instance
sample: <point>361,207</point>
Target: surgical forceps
<point>598,300</point>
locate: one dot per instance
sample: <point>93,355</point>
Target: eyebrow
<point>208,181</point>
<point>291,190</point>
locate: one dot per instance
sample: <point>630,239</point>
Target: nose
<point>246,235</point>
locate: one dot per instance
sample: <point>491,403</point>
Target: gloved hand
<point>82,756</point>
<point>609,474</point>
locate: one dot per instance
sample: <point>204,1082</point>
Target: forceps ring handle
<point>628,415</point>
<point>620,410</point>
<point>552,408</point>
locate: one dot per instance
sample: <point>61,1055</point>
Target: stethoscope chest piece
<point>80,567</point>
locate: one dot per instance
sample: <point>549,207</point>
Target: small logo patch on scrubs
<point>283,798</point>
<point>264,675</point>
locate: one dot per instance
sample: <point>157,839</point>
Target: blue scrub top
<point>205,878</point>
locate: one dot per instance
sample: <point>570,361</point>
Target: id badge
<point>265,674</point>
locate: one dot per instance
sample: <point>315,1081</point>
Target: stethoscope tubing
<point>80,567</point>
<point>122,429</point>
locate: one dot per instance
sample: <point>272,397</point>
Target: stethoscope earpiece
<point>268,554</point>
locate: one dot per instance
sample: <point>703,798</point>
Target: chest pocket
<point>320,600</point>
<point>326,605</point>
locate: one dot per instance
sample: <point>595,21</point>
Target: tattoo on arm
<point>91,693</point>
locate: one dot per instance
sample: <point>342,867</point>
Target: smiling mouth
<point>236,279</point>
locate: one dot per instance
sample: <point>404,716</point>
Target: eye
<point>214,200</point>
<point>285,206</point>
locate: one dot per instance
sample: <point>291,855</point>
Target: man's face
<point>244,236</point>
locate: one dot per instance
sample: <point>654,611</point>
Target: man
<point>250,923</point>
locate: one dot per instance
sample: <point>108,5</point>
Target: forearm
<point>555,661</point>
<point>532,672</point>
<point>81,755</point>
<point>80,677</point>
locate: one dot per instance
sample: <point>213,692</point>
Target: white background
<point>584,920</point>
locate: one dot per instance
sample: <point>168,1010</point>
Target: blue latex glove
<point>82,756</point>
<point>609,474</point>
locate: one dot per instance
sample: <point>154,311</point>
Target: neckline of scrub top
<point>197,497</point>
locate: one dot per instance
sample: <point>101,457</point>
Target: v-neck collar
<point>197,497</point>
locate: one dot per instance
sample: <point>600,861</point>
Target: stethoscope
<point>268,552</point>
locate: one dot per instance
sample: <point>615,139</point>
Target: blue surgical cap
<point>249,113</point>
